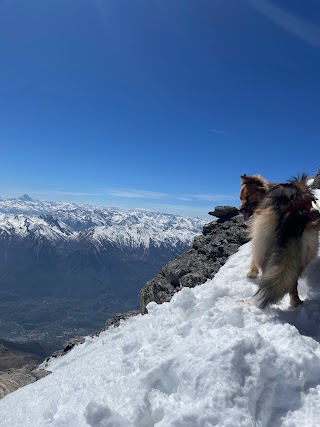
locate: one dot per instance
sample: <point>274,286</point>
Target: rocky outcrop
<point>16,378</point>
<point>67,346</point>
<point>116,319</point>
<point>316,181</point>
<point>209,252</point>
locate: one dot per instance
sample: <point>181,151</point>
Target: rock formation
<point>209,252</point>
<point>16,378</point>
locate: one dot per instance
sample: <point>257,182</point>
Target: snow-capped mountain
<point>42,226</point>
<point>59,257</point>
<point>131,228</point>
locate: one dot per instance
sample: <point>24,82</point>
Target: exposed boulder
<point>209,252</point>
<point>224,213</point>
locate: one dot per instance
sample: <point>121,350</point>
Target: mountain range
<point>65,267</point>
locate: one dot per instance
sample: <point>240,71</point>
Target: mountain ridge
<point>72,218</point>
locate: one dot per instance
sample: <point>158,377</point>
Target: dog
<point>284,229</point>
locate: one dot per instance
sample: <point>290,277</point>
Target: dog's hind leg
<point>253,271</point>
<point>280,276</point>
<point>294,296</point>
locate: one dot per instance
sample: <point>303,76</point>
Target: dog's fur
<point>284,229</point>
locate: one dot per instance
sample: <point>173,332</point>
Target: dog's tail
<point>280,275</point>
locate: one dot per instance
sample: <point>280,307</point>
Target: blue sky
<point>157,104</point>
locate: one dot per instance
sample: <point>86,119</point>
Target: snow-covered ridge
<point>126,228</point>
<point>42,226</point>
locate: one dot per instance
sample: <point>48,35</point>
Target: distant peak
<point>25,198</point>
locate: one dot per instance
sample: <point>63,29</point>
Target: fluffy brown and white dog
<point>284,228</point>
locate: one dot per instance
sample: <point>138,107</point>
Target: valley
<point>66,268</point>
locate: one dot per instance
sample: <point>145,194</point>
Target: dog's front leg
<point>294,296</point>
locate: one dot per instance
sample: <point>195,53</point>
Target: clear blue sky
<point>158,104</point>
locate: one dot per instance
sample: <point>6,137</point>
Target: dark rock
<point>67,346</point>
<point>194,267</point>
<point>316,182</point>
<point>116,319</point>
<point>224,212</point>
<point>190,280</point>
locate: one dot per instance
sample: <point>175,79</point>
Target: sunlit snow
<point>207,358</point>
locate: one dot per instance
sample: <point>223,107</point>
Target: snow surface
<point>207,358</point>
<point>23,225</point>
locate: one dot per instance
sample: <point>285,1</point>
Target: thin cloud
<point>125,194</point>
<point>220,131</point>
<point>69,193</point>
<point>183,210</point>
<point>145,194</point>
<point>301,28</point>
<point>212,197</point>
<point>137,194</point>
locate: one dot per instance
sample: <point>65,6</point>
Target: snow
<point>207,358</point>
<point>23,225</point>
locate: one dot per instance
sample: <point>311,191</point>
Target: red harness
<point>296,206</point>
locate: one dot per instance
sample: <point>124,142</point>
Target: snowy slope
<point>204,359</point>
<point>142,229</point>
<point>45,226</point>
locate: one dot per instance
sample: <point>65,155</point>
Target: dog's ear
<point>244,178</point>
<point>255,180</point>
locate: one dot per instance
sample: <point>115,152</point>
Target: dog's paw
<point>252,274</point>
<point>295,301</point>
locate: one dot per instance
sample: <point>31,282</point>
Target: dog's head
<point>303,198</point>
<point>253,190</point>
